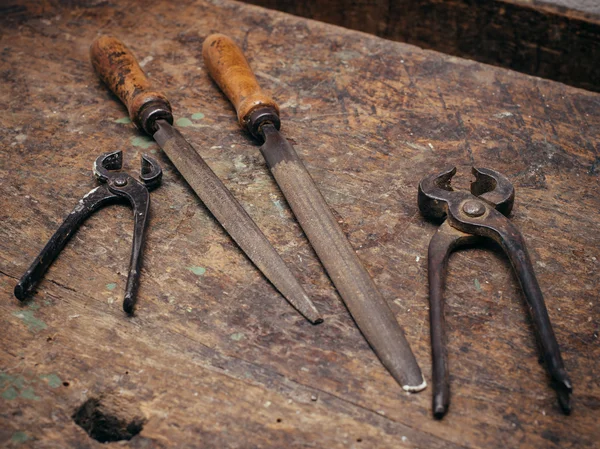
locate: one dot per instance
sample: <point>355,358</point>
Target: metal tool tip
<point>128,304</point>
<point>415,388</point>
<point>311,314</point>
<point>564,400</point>
<point>439,412</point>
<point>440,406</point>
<point>20,292</point>
<point>305,306</point>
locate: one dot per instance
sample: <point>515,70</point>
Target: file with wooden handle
<point>259,114</point>
<point>150,110</point>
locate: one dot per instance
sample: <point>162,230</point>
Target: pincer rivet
<point>120,182</point>
<point>473,208</point>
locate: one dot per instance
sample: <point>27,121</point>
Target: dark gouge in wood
<point>259,114</point>
<point>150,111</point>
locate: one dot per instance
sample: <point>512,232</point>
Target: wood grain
<point>120,71</point>
<point>228,67</point>
<point>214,357</point>
<point>555,39</point>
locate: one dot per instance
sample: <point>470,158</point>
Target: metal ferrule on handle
<point>117,67</point>
<point>230,70</point>
<point>232,216</point>
<point>150,110</point>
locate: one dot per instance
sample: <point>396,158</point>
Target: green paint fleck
<point>111,286</point>
<point>477,285</point>
<point>143,142</point>
<point>198,271</point>
<point>237,336</point>
<point>197,116</point>
<point>32,322</point>
<point>153,151</point>
<point>183,121</point>
<point>10,393</point>
<point>28,393</point>
<point>7,379</point>
<point>279,208</point>
<point>18,381</point>
<point>53,380</point>
<point>34,306</point>
<point>123,120</point>
<point>19,437</point>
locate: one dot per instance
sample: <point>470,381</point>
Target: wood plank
<point>555,39</point>
<point>219,359</point>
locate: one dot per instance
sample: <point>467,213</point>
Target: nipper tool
<point>469,217</point>
<point>151,112</point>
<point>115,187</point>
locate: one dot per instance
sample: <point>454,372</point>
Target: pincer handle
<point>229,68</point>
<point>117,67</point>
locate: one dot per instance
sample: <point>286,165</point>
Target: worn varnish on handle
<point>230,70</point>
<point>120,71</point>
<point>258,113</point>
<point>151,112</point>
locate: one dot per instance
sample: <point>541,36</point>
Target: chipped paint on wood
<point>33,324</point>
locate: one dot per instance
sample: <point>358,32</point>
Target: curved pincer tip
<point>563,386</point>
<point>129,305</point>
<point>495,188</point>
<point>564,401</point>
<point>151,172</point>
<point>106,162</point>
<point>434,193</point>
<point>21,291</point>
<point>440,406</point>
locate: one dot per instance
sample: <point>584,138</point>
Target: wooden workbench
<point>214,357</point>
<point>555,39</point>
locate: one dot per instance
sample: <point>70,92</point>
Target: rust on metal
<point>150,111</point>
<point>115,187</point>
<point>234,219</point>
<point>229,68</point>
<point>469,217</point>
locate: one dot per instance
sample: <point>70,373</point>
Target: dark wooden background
<point>214,357</point>
<point>555,39</point>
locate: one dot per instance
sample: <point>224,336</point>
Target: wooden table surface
<point>554,39</point>
<point>214,357</point>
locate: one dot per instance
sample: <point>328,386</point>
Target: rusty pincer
<point>469,217</point>
<point>115,187</point>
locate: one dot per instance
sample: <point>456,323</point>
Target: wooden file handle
<point>117,67</point>
<point>230,70</point>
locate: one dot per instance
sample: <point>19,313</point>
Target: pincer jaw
<point>151,174</point>
<point>495,188</point>
<point>107,162</point>
<point>434,194</point>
